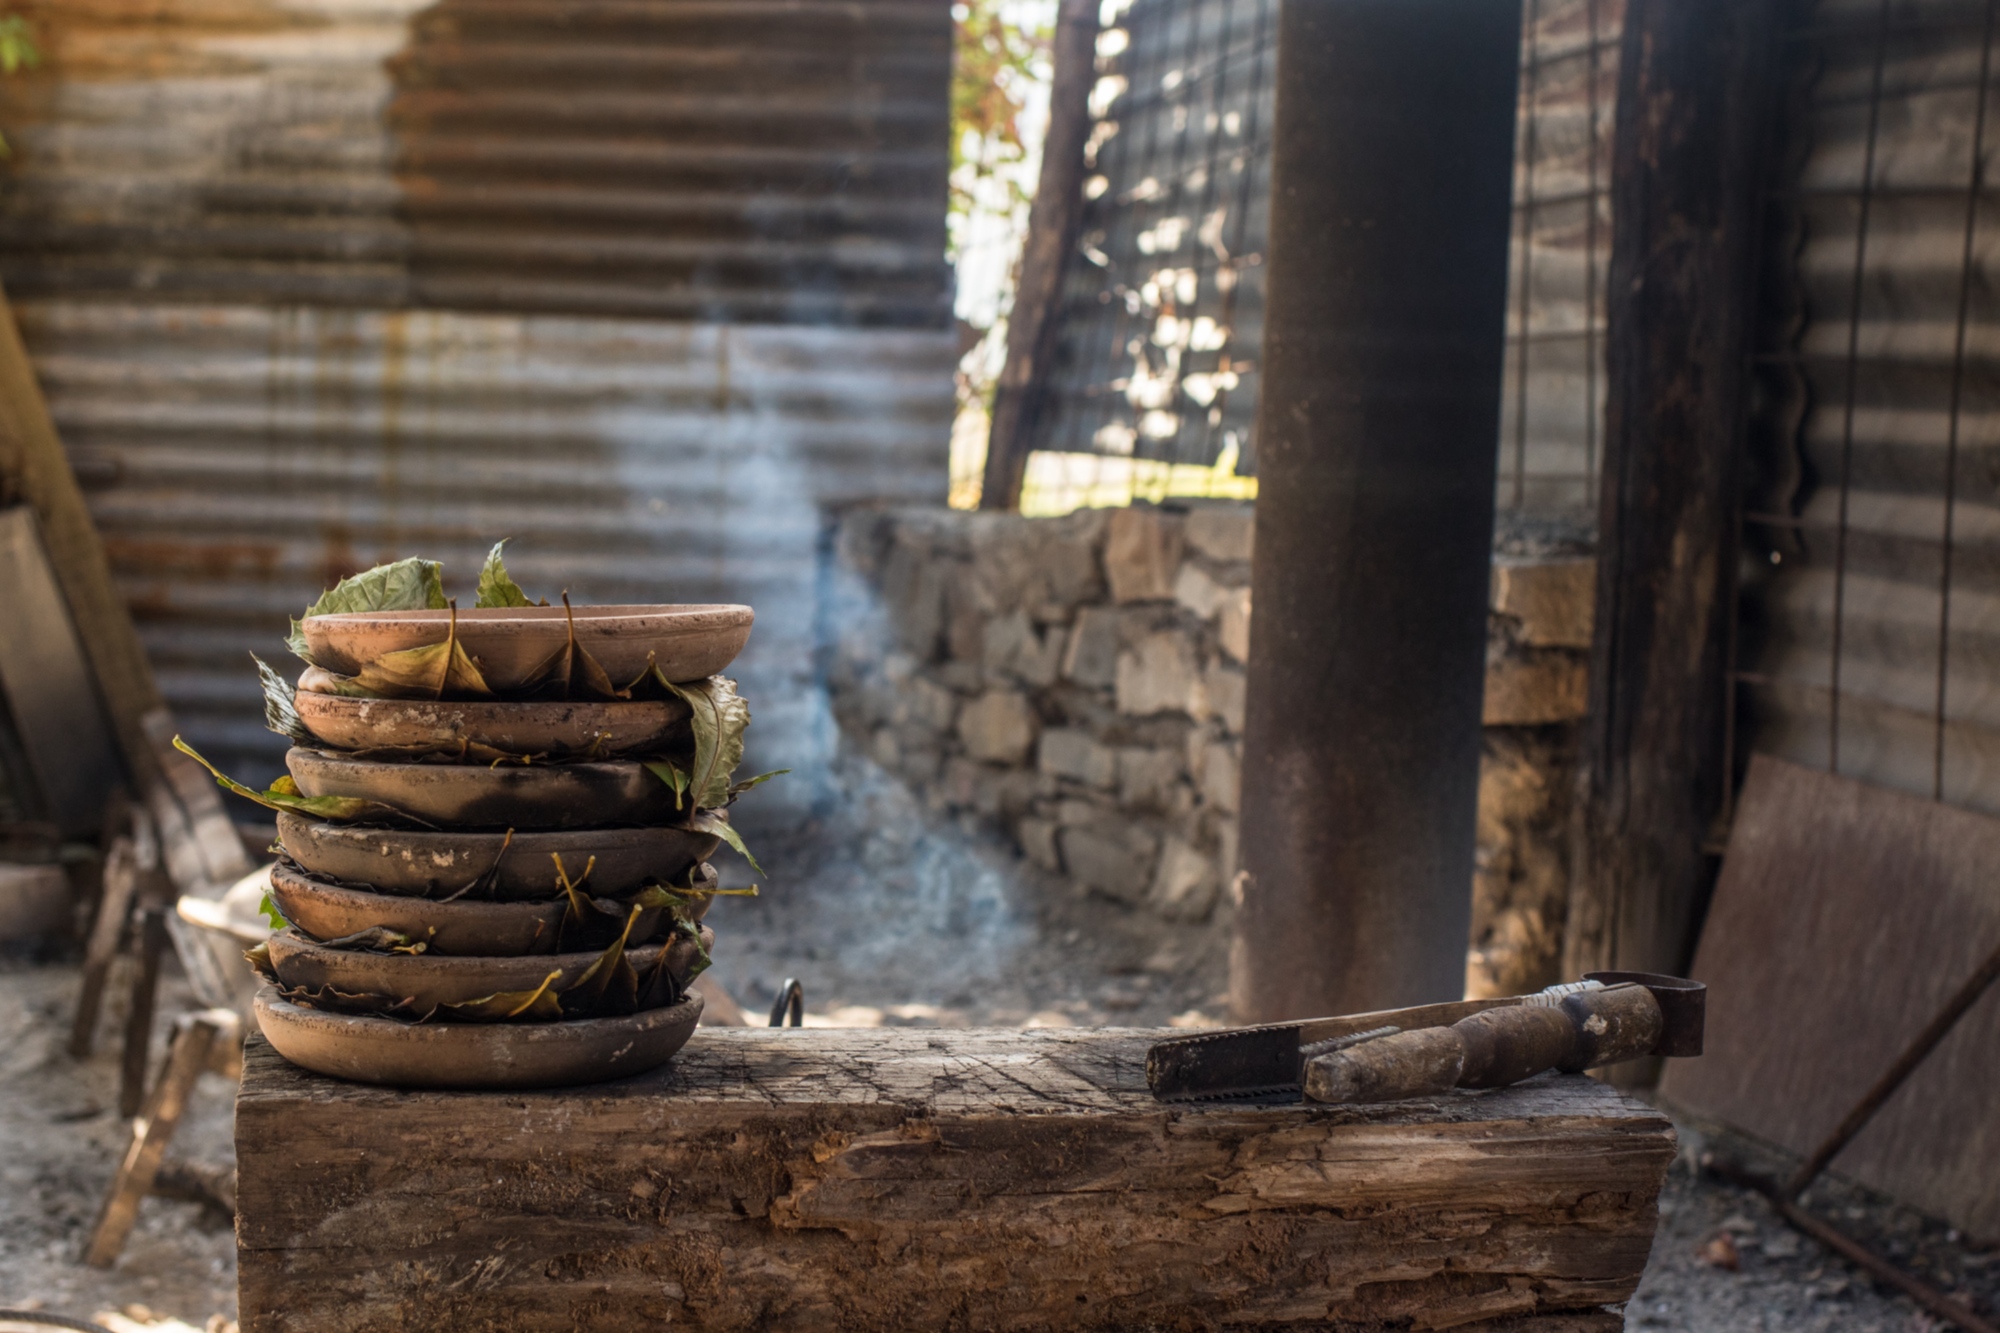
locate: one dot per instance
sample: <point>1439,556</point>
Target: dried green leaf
<point>717,822</point>
<point>736,789</point>
<point>318,680</point>
<point>341,1002</point>
<point>675,778</point>
<point>496,588</point>
<point>280,714</point>
<point>539,1005</point>
<point>376,939</point>
<point>284,795</point>
<point>434,671</point>
<point>719,717</point>
<point>404,585</point>
<point>608,983</point>
<point>259,958</point>
<point>570,672</point>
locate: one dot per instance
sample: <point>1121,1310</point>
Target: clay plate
<point>474,796</point>
<point>475,1055</point>
<point>507,930</point>
<point>425,864</point>
<point>427,980</point>
<point>686,642</point>
<point>637,727</point>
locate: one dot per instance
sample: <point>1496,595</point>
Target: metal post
<point>1391,169</point>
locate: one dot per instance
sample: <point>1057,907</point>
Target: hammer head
<point>1683,1008</point>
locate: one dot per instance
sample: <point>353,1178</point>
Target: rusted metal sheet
<point>238,459</point>
<point>767,160</point>
<point>1845,917</point>
<point>1872,598</point>
<point>642,284</point>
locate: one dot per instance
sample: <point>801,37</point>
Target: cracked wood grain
<point>892,1179</point>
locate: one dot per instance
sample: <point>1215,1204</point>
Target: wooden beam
<point>1695,103</point>
<point>34,470</point>
<point>1033,325</point>
<point>906,1179</point>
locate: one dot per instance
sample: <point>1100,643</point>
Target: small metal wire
<point>1974,176</point>
<point>1852,385</point>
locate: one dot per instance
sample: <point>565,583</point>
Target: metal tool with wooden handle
<point>1272,1060</point>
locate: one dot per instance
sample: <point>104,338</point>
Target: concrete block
<point>1158,675</point>
<point>1232,627</point>
<point>1196,589</point>
<point>1221,774</point>
<point>1222,532</point>
<point>1532,689</point>
<point>1091,656</point>
<point>998,727</point>
<point>1554,600</point>
<point>1074,754</point>
<point>1142,554</point>
<point>1112,857</point>
<point>1185,885</point>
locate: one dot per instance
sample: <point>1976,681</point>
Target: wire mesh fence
<point>1154,388</point>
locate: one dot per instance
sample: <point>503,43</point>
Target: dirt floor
<point>920,922</point>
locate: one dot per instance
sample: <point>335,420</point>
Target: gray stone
<point>1185,885</point>
<point>1142,553</point>
<point>882,748</point>
<point>1223,689</point>
<point>968,608</point>
<point>1221,774</point>
<point>1037,837</point>
<point>998,727</point>
<point>1197,590</point>
<point>1005,637</point>
<point>1222,532</point>
<point>1112,857</point>
<point>1070,753</point>
<point>1039,663</point>
<point>964,677</point>
<point>1091,656</point>
<point>1157,676</point>
<point>1147,777</point>
<point>930,704</point>
<point>1232,627</point>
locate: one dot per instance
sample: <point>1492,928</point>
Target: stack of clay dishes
<point>509,924</point>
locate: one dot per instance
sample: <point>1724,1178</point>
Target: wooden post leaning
<point>910,1179</point>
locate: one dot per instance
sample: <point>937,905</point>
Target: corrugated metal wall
<point>1552,404</point>
<point>1872,597</point>
<point>643,284</point>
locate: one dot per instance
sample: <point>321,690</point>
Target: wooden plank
<point>1844,917</point>
<point>1695,99</point>
<point>907,1179</point>
<point>48,685</point>
<point>34,470</point>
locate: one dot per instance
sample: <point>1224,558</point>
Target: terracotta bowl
<point>476,796</point>
<point>427,980</point>
<point>425,864</point>
<point>475,1055</point>
<point>505,930</point>
<point>687,642</point>
<point>636,727</point>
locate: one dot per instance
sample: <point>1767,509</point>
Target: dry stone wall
<point>1079,683</point>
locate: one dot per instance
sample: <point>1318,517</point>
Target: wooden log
<point>907,1179</point>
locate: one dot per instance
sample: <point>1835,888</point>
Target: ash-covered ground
<point>887,914</point>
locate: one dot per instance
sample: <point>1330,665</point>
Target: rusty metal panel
<point>1871,601</point>
<point>1845,916</point>
<point>762,160</point>
<point>238,459</point>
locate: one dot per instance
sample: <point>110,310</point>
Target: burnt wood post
<point>1053,220</point>
<point>1695,103</point>
<point>1391,174</point>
